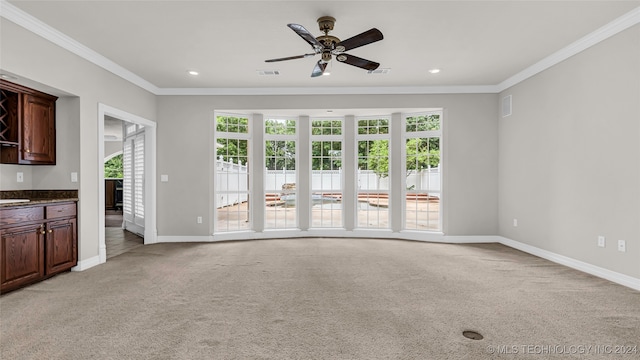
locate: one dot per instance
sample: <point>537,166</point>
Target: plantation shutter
<point>138,183</point>
<point>127,167</point>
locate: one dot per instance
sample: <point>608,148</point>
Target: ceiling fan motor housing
<point>326,23</point>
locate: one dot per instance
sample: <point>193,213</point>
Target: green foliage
<point>326,155</point>
<point>113,168</point>
<point>423,123</point>
<point>421,152</point>
<point>378,157</point>
<point>280,155</point>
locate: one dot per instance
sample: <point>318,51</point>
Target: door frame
<point>150,231</point>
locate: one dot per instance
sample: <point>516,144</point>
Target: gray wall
<point>569,159</point>
<point>470,151</point>
<point>112,147</point>
<point>31,57</point>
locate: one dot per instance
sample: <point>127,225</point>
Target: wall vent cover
<point>506,106</point>
<point>268,72</point>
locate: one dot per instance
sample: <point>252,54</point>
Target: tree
<point>378,157</point>
<point>113,168</point>
<point>234,150</point>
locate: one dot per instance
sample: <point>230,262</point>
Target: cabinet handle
<point>43,233</point>
<point>28,150</point>
<point>50,231</point>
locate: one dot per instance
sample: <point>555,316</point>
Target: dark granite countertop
<point>36,197</point>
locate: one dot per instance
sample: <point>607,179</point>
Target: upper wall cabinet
<point>27,125</point>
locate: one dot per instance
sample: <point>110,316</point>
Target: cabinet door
<point>21,255</point>
<point>110,194</point>
<point>61,246</point>
<point>38,130</point>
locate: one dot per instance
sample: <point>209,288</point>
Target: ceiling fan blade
<point>306,35</point>
<point>356,61</point>
<point>319,68</point>
<point>365,38</point>
<point>290,57</point>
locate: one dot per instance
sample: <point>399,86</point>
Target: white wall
<point>470,150</point>
<point>31,57</point>
<point>579,121</point>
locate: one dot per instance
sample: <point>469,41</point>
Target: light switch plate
<point>20,177</point>
<point>164,178</point>
<point>601,241</point>
<point>622,245</point>
<point>74,177</point>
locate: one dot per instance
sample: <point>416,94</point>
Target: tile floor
<point>119,241</point>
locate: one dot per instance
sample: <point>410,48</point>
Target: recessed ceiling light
<point>193,72</point>
<point>326,73</point>
<point>434,71</point>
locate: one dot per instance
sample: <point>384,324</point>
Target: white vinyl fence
<point>232,183</point>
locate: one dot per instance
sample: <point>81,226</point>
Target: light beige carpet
<point>321,299</point>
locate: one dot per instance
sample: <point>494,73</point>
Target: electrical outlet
<point>20,177</point>
<point>622,245</point>
<point>601,241</point>
<point>515,222</point>
<point>199,220</point>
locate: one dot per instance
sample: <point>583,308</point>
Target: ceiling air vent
<point>379,71</point>
<point>268,72</point>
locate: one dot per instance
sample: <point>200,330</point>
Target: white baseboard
<point>594,270</point>
<point>87,263</point>
<point>404,235</point>
<point>182,239</point>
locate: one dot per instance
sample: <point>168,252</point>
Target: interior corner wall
<point>569,157</point>
<point>35,59</point>
<point>469,152</point>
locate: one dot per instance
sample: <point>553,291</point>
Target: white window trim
<point>403,150</point>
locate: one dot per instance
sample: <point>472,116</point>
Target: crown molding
<point>614,27</point>
<point>23,19</point>
<point>381,90</point>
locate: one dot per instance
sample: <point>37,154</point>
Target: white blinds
<point>127,166</point>
<point>138,175</point>
<point>133,177</point>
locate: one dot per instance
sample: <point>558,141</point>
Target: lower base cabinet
<point>35,251</point>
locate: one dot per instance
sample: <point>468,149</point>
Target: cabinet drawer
<point>21,215</point>
<point>60,211</point>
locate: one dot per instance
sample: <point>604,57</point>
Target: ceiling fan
<point>328,45</point>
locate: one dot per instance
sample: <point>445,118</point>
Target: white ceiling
<point>472,42</point>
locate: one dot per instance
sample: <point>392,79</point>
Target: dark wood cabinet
<point>36,242</point>
<point>61,246</point>
<point>109,194</point>
<point>27,125</point>
<point>22,255</point>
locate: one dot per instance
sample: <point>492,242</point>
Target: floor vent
<point>473,335</point>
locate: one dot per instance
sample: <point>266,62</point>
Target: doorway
<point>127,196</point>
<point>120,238</point>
